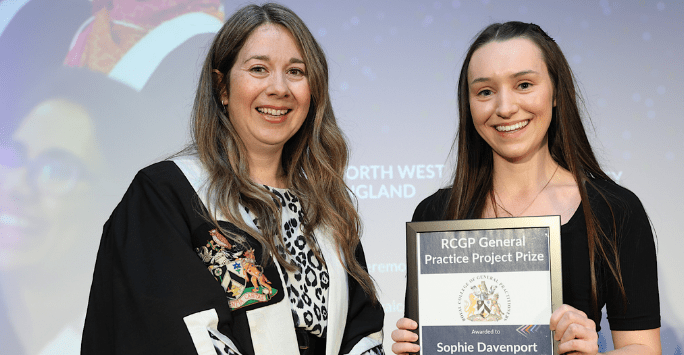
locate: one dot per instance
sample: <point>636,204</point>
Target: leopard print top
<point>308,286</point>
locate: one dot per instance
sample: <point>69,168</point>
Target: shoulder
<point>162,183</point>
<point>159,200</point>
<point>608,194</point>
<point>611,189</point>
<point>162,176</point>
<point>163,170</point>
<point>617,207</point>
<point>433,207</point>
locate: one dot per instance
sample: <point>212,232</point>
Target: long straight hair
<point>567,141</point>
<point>313,160</point>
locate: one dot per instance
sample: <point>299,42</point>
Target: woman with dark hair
<point>248,241</point>
<point>523,151</point>
<point>56,171</point>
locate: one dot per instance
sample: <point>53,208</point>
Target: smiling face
<point>45,192</point>
<point>511,98</point>
<point>269,95</point>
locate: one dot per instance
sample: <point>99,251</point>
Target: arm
<point>642,342</point>
<point>365,319</point>
<point>577,335</point>
<point>635,324</point>
<point>635,327</point>
<point>149,287</point>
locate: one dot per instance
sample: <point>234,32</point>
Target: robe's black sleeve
<point>363,317</point>
<point>147,276</point>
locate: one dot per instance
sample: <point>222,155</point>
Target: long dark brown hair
<point>567,141</point>
<point>313,160</point>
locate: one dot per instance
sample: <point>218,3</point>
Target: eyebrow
<point>518,74</point>
<point>267,58</point>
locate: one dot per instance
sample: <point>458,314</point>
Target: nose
<point>507,104</point>
<point>278,85</point>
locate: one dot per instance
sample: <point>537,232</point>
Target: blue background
<point>393,72</point>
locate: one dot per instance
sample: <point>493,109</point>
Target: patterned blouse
<point>307,286</point>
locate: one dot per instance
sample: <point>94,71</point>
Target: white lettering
<point>352,173</point>
<point>419,171</point>
<point>364,172</point>
<point>383,192</point>
<point>528,256</point>
<point>383,172</point>
<point>406,171</point>
<point>395,190</point>
<point>455,348</point>
<point>454,243</point>
<point>389,172</point>
<point>491,243</point>
<point>393,307</point>
<point>408,188</point>
<point>387,267</point>
<point>508,348</point>
<point>616,175</point>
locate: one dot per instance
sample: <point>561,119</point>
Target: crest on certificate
<point>484,299</point>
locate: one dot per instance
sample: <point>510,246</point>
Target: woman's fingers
<point>407,323</point>
<point>403,337</point>
<point>571,323</point>
<point>566,315</point>
<point>560,312</point>
<point>575,331</point>
<point>578,346</point>
<point>404,348</point>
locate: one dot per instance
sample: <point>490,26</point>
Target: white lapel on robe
<point>269,336</point>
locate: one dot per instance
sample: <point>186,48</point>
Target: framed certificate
<point>484,286</point>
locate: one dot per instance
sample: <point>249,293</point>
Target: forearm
<point>641,342</point>
<point>635,349</point>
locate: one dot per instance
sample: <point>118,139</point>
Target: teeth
<point>512,127</point>
<point>272,112</point>
<point>10,220</point>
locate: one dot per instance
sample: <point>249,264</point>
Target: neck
<point>265,167</point>
<point>537,186</point>
<point>523,178</point>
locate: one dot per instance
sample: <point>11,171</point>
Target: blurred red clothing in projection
<point>117,25</point>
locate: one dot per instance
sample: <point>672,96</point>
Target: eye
<point>525,85</point>
<point>257,69</point>
<point>56,172</point>
<point>485,92</point>
<point>296,72</point>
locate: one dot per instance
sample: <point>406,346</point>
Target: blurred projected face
<point>44,183</point>
<point>269,90</point>
<point>511,97</point>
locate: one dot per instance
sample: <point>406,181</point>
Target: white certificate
<point>484,286</point>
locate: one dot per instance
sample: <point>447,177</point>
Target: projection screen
<point>74,131</point>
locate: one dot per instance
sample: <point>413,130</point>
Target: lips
<point>12,228</point>
<point>273,112</point>
<point>16,227</point>
<point>513,127</point>
<point>12,221</point>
